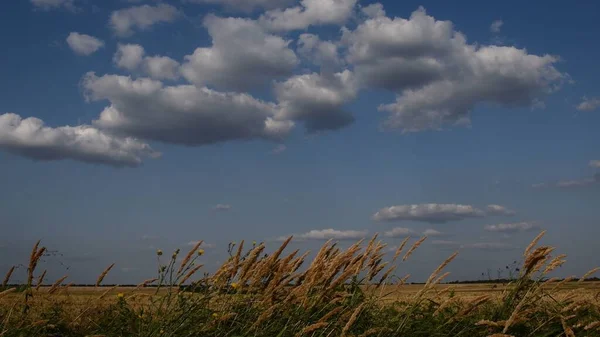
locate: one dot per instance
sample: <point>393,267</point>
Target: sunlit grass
<point>341,292</point>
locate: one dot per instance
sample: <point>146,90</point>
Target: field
<point>339,293</point>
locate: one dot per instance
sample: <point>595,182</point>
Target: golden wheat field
<point>393,291</point>
<point>340,292</point>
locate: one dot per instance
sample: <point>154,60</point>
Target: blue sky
<point>320,118</point>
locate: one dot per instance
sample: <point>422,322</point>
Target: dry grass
<point>340,293</point>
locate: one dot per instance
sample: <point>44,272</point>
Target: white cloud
<point>279,149</point>
<point>512,227</point>
<point>242,56</point>
<point>222,207</point>
<point>499,210</point>
<point>571,183</point>
<point>577,183</point>
<point>496,25</point>
<point>489,246</point>
<point>83,44</point>
<point>322,53</point>
<point>203,245</point>
<point>431,213</point>
<point>589,104</point>
<point>31,138</point>
<point>433,233</point>
<point>317,100</point>
<point>128,56</point>
<point>128,269</point>
<point>54,4</point>
<point>438,77</point>
<point>326,234</point>
<point>445,243</point>
<point>181,114</point>
<point>124,22</point>
<point>373,10</point>
<point>131,57</point>
<point>309,13</point>
<point>595,163</point>
<point>246,5</point>
<point>399,232</point>
<point>161,67</point>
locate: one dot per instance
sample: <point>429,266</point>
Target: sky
<point>128,126</point>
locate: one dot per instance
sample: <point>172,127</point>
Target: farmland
<point>338,293</point>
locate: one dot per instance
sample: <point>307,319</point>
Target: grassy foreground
<point>339,293</point>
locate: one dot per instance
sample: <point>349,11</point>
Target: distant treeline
<point>496,281</point>
<point>492,281</point>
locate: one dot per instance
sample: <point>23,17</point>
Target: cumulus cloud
<point>203,245</point>
<point>489,246</point>
<point>30,138</point>
<point>309,13</point>
<point>242,56</point>
<point>445,243</point>
<point>595,163</point>
<point>577,183</point>
<point>128,269</point>
<point>54,4</point>
<point>317,100</point>
<point>326,234</point>
<point>322,53</point>
<point>182,114</point>
<point>431,213</point>
<point>399,232</point>
<point>566,184</point>
<point>131,57</point>
<point>161,67</point>
<point>512,227</point>
<point>589,104</point>
<point>499,210</point>
<point>438,77</point>
<point>124,22</point>
<point>373,10</point>
<point>128,56</point>
<point>246,5</point>
<point>279,149</point>
<point>496,25</point>
<point>433,233</point>
<point>83,44</point>
<point>222,207</point>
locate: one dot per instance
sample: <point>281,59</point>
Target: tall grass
<point>341,292</point>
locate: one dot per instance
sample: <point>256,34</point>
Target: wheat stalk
<point>441,267</point>
<point>189,255</point>
<point>40,281</point>
<point>351,320</point>
<point>56,284</point>
<point>7,277</point>
<point>514,315</point>
<point>103,275</point>
<point>190,274</point>
<point>555,263</point>
<point>400,249</point>
<point>311,328</point>
<point>533,243</point>
<point>592,325</point>
<point>7,291</point>
<point>588,274</point>
<point>107,291</point>
<point>568,331</point>
<point>413,248</point>
<point>330,314</point>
